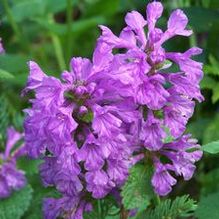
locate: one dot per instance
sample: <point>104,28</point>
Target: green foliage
<point>180,207</point>
<point>16,205</point>
<point>106,208</point>
<point>77,28</point>
<point>211,131</point>
<point>209,181</point>
<point>208,207</point>
<point>199,22</point>
<point>137,191</point>
<point>105,7</point>
<point>212,148</point>
<point>39,193</point>
<point>5,75</point>
<point>209,82</point>
<point>29,166</point>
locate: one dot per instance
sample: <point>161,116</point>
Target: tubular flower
<point>165,99</point>
<point>96,121</point>
<point>78,126</point>
<point>10,177</point>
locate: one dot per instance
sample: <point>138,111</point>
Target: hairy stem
<point>124,213</point>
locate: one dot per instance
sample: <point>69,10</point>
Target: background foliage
<point>50,32</point>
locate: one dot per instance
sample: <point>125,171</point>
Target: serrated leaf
<point>212,148</point>
<point>137,192</point>
<point>208,207</point>
<point>168,209</point>
<point>16,205</point>
<point>213,67</point>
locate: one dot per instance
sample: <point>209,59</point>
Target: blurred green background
<point>50,32</point>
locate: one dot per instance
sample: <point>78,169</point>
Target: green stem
<point>69,13</point>
<point>11,19</point>
<point>58,47</point>
<point>193,40</point>
<point>99,209</point>
<point>157,199</point>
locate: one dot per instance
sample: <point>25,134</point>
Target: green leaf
<point>16,205</point>
<point>208,207</point>
<point>199,22</point>
<point>77,27</point>
<point>215,96</point>
<point>35,209</point>
<point>137,191</point>
<point>208,83</point>
<point>13,63</point>
<point>213,67</point>
<point>212,148</point>
<point>209,181</point>
<point>26,9</point>
<point>5,75</point>
<point>211,131</point>
<point>29,166</point>
<point>168,209</point>
<point>102,7</point>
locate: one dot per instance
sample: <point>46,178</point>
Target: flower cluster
<point>164,98</point>
<point>82,128</point>
<point>10,177</point>
<point>88,125</point>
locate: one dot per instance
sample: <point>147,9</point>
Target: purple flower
<point>90,125</point>
<point>139,70</point>
<point>69,207</point>
<point>162,181</point>
<point>191,68</point>
<point>182,153</point>
<point>98,183</point>
<point>10,177</point>
<point>77,125</point>
<point>1,47</point>
<point>152,133</point>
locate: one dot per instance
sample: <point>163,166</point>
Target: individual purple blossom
<point>162,180</point>
<point>182,153</point>
<point>68,207</point>
<point>10,177</point>
<point>152,133</point>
